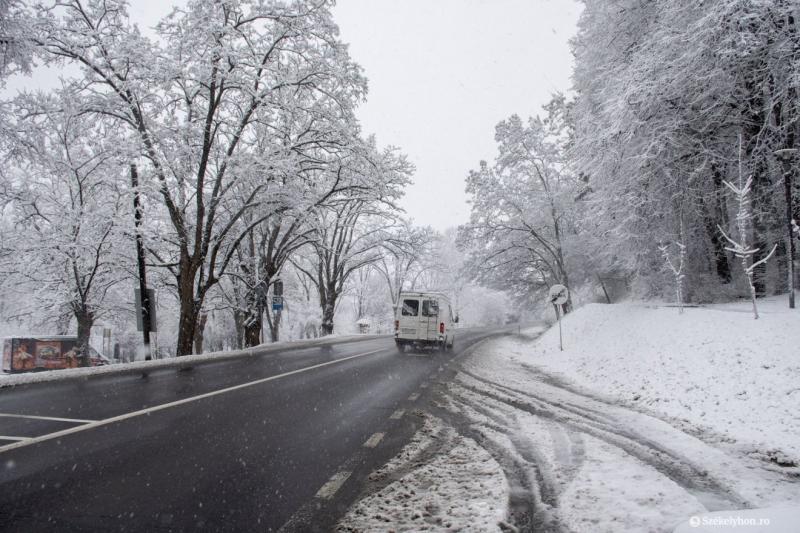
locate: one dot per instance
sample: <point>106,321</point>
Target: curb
<point>180,363</point>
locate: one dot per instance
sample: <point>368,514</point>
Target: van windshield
<point>430,308</point>
<point>410,307</point>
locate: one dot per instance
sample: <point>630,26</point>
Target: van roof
<point>424,294</point>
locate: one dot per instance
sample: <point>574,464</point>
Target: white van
<point>424,319</point>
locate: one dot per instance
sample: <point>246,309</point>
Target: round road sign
<point>558,295</point>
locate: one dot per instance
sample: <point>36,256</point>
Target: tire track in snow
<point>570,451</point>
<point>543,477</point>
<point>693,479</point>
<point>527,510</point>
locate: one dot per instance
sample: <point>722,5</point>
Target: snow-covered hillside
<point>715,367</point>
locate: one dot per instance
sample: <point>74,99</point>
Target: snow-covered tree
<point>350,228</point>
<point>744,223</point>
<point>407,250</point>
<point>16,49</point>
<point>664,89</point>
<point>523,206</point>
<point>676,269</point>
<point>197,101</point>
<point>64,205</point>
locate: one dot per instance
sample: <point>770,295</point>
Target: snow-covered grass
<point>440,481</point>
<point>735,378</point>
<point>10,380</point>
<point>640,424</point>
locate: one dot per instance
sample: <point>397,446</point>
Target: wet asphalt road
<point>258,456</point>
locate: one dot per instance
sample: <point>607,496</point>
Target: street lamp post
<point>785,156</point>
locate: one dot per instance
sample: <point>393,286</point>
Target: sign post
<point>277,307</point>
<point>558,296</point>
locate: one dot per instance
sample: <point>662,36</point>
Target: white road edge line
<point>329,489</point>
<point>155,408</point>
<point>413,397</point>
<point>374,440</point>
<point>397,415</point>
<point>53,418</point>
<point>7,437</point>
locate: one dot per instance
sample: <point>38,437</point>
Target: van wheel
<point>450,346</point>
<point>401,348</point>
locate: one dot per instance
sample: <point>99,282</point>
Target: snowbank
<point>440,481</point>
<point>735,378</point>
<point>10,380</point>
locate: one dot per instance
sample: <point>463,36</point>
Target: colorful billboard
<point>25,354</point>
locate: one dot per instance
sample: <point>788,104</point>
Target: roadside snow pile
<point>439,482</point>
<point>714,367</point>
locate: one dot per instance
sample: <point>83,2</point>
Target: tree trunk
<point>189,308</point>
<point>238,322</point>
<point>603,286</point>
<point>721,264</point>
<point>327,317</point>
<point>85,319</point>
<point>198,334</point>
<point>252,332</point>
<point>718,216</point>
<point>714,216</point>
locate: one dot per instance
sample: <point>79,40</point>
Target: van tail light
<point>396,325</point>
<point>441,327</point>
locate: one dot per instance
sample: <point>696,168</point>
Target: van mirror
<point>456,320</point>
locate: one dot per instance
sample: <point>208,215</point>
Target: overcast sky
<point>442,74</point>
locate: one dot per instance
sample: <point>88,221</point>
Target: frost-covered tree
<point>198,100</point>
<point>66,241</point>
<point>523,206</point>
<point>744,223</point>
<point>664,89</point>
<point>351,227</point>
<point>15,47</point>
<point>676,269</point>
<point>407,252</point>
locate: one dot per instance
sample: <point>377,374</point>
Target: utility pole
<point>785,156</point>
<point>277,292</point>
<point>145,296</point>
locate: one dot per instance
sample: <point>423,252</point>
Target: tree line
<point>232,130</point>
<point>670,101</point>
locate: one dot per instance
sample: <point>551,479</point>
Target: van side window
<point>430,308</point>
<point>410,307</point>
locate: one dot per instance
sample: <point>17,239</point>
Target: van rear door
<point>429,320</point>
<point>409,318</point>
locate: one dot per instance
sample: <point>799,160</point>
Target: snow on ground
<point>630,494</point>
<point>640,423</point>
<point>440,481</point>
<point>714,367</point>
<point>10,380</point>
